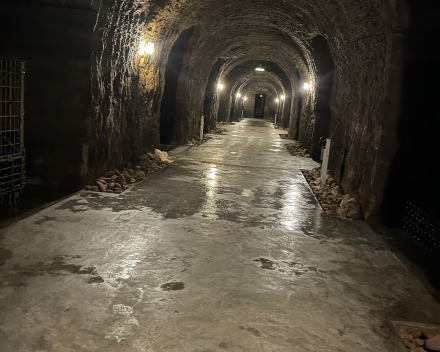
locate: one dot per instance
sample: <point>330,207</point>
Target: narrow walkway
<point>225,250</point>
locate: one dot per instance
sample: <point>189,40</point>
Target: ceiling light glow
<point>306,86</point>
<point>260,69</point>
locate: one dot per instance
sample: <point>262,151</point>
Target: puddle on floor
<point>173,286</point>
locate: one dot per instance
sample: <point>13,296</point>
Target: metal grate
<point>423,223</point>
<point>12,153</point>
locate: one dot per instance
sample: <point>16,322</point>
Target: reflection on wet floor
<point>217,251</point>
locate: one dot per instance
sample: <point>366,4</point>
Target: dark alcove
<point>411,198</point>
<point>169,121</point>
<point>260,103</point>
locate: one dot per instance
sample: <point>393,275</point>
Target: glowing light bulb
<point>278,100</point>
<point>306,86</point>
<point>283,97</point>
<point>238,95</point>
<point>244,98</point>
<point>150,48</point>
<point>142,48</point>
<point>220,86</point>
<point>260,69</point>
<point>146,49</point>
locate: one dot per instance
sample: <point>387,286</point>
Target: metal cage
<point>12,152</point>
<point>423,223</point>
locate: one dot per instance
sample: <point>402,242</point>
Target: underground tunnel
<point>182,175</point>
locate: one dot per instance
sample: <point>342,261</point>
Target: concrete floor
<point>226,249</point>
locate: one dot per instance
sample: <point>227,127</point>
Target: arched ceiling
<point>245,72</point>
<point>277,31</point>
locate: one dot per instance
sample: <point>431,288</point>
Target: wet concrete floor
<point>225,250</point>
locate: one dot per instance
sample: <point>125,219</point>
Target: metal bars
<point>423,223</point>
<point>12,152</point>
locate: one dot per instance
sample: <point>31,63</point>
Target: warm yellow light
<point>142,48</point>
<point>150,48</point>
<point>278,100</point>
<point>220,86</point>
<point>306,86</point>
<point>283,97</point>
<point>244,98</point>
<point>146,49</point>
<point>238,95</point>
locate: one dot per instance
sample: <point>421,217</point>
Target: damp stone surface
<point>226,249</point>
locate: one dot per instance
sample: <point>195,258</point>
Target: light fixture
<point>244,98</point>
<point>220,86</point>
<point>150,48</point>
<point>238,95</point>
<point>146,51</point>
<point>142,48</point>
<point>277,100</point>
<point>306,86</point>
<point>260,69</point>
<point>283,97</point>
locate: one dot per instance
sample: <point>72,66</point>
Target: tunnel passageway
<point>226,249</point>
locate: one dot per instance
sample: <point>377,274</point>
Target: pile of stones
<point>219,130</point>
<point>197,143</point>
<point>419,338</point>
<point>117,181</point>
<point>296,150</point>
<point>332,198</point>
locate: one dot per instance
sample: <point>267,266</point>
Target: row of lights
<point>306,86</point>
<point>147,49</point>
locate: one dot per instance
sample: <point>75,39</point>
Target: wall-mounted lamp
<point>277,100</point>
<point>238,95</point>
<point>260,69</point>
<point>283,97</point>
<point>244,98</point>
<point>306,86</point>
<point>146,51</point>
<point>220,86</point>
<point>150,48</point>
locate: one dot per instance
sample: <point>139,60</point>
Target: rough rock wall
<point>126,90</point>
<point>357,108</point>
<point>296,108</point>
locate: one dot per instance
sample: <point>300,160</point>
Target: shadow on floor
<point>33,198</point>
<point>423,263</point>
